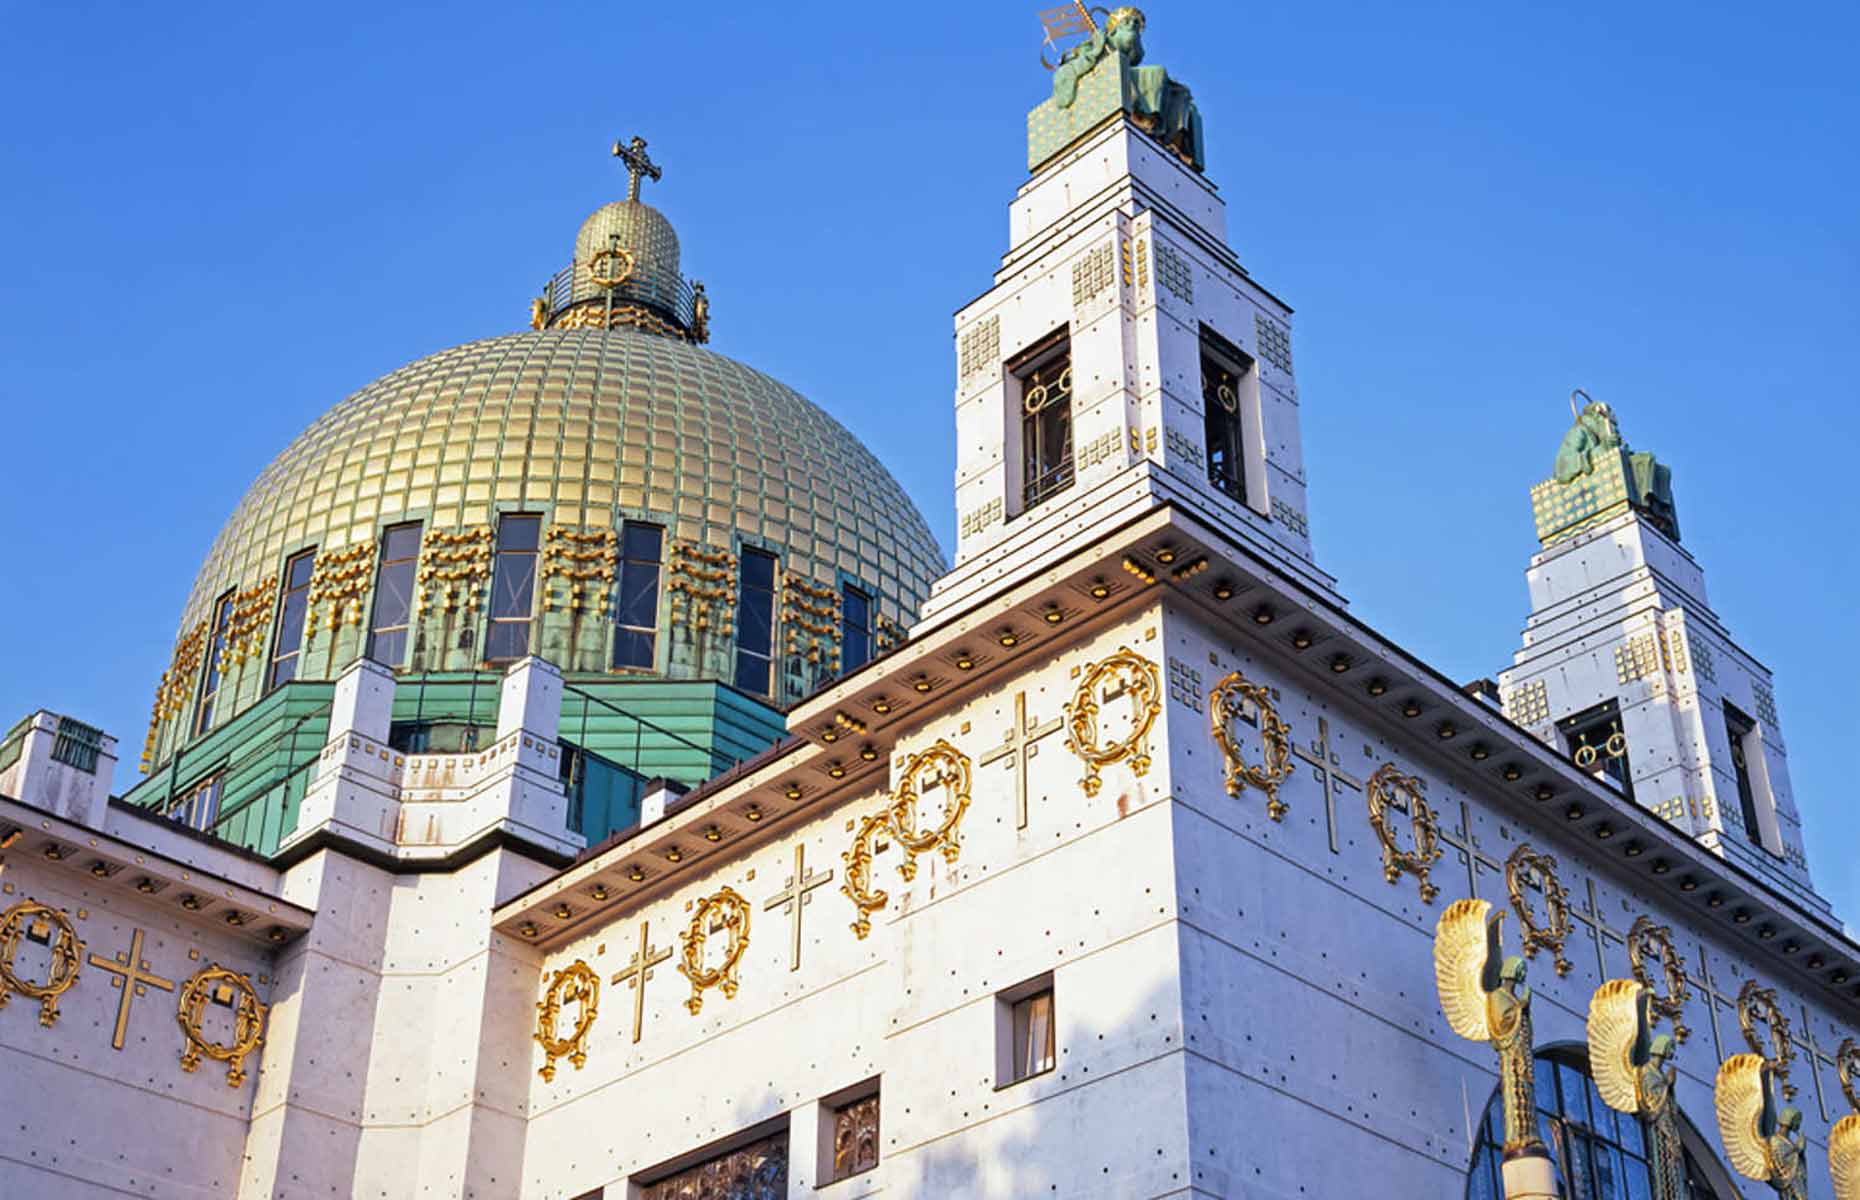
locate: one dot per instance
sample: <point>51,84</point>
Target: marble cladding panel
<point>1280,921</point>
<point>99,1116</point>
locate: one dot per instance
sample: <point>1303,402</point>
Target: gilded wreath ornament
<point>575,984</point>
<point>67,956</point>
<point>1647,942</point>
<point>1758,1006</point>
<point>939,764</point>
<point>602,276</point>
<point>1389,788</point>
<point>1552,933</point>
<point>1141,683</point>
<point>857,883</point>
<point>730,912</point>
<point>248,1021</point>
<point>1226,704</point>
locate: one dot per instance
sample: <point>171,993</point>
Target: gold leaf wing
<point>1615,1028</point>
<point>1844,1158</point>
<point>1460,952</point>
<point>1740,1095</point>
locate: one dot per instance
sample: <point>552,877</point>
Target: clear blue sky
<point>219,220</point>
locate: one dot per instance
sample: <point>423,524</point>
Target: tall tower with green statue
<point>1626,668</point>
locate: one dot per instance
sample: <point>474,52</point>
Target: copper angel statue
<point>1485,999</point>
<point>1635,1074</point>
<point>1763,1142</point>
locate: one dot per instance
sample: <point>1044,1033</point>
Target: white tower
<point>1124,359</point>
<point>1626,667</point>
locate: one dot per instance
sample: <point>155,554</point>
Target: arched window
<point>1600,1154</point>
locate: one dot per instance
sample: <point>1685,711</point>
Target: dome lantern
<point>625,271</point>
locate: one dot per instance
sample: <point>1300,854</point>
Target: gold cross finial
<point>633,156</point>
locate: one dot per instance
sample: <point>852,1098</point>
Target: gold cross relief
<point>1018,747</point>
<point>638,971</point>
<point>133,978</point>
<point>794,893</point>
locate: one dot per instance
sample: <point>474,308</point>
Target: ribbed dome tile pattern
<point>590,427</point>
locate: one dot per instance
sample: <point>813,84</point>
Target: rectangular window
<point>199,806</point>
<point>855,1138</point>
<point>756,1171</point>
<point>855,629</point>
<point>636,607</point>
<point>1742,732</point>
<point>1045,378</point>
<point>288,639</point>
<point>513,588</point>
<point>1224,369</point>
<point>755,622</point>
<point>1597,744</point>
<point>216,647</point>
<point>394,582</point>
<point>1026,1041</point>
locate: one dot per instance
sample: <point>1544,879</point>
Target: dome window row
<point>632,602</point>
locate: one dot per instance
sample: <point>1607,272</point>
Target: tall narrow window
<point>1045,378</point>
<point>1223,370</point>
<point>636,609</point>
<point>755,622</point>
<point>1597,744</point>
<point>513,588</point>
<point>855,629</point>
<point>288,640</point>
<point>1033,1034</point>
<point>855,1137</point>
<point>210,682</point>
<point>1739,729</point>
<point>387,627</point>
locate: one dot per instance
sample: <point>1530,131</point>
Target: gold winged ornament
<point>1635,1074</point>
<point>1763,1142</point>
<point>1844,1141</point>
<point>1484,997</point>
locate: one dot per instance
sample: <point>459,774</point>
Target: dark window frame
<point>855,631</point>
<point>748,661</point>
<point>1740,729</point>
<point>212,678</point>
<point>1580,731</point>
<point>293,608</point>
<point>1224,418</point>
<point>403,627</point>
<point>504,558</point>
<point>840,1116</point>
<point>628,578</point>
<point>1043,378</point>
<point>1016,1010</point>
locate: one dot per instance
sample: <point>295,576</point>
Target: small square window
<point>1025,1031</point>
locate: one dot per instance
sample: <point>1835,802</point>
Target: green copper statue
<point>1161,106</point>
<point>1593,435</point>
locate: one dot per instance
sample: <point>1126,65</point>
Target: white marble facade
<point>1244,1005</point>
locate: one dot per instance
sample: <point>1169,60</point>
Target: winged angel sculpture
<point>1844,1141</point>
<point>1635,1073</point>
<point>1484,998</point>
<point>1764,1142</point>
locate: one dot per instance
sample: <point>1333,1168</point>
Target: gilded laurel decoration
<point>1125,674</point>
<point>941,765</point>
<point>1758,1006</point>
<point>1523,867</point>
<point>38,921</point>
<point>1647,943</point>
<point>1390,789</point>
<point>857,885</point>
<point>1228,703</point>
<point>578,569</point>
<point>222,986</point>
<point>575,984</point>
<point>724,910</point>
<point>455,569</point>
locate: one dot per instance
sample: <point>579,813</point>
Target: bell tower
<point>1626,668</point>
<point>1123,360</point>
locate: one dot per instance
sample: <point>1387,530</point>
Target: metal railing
<point>678,301</point>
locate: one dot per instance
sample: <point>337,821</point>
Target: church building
<point>580,773</point>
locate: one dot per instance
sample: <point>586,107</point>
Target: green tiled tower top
<point>1597,477</point>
